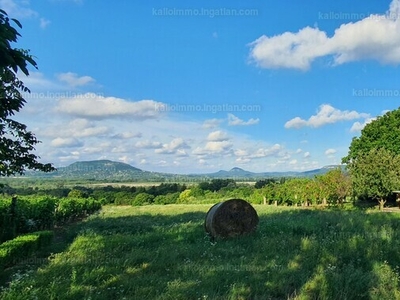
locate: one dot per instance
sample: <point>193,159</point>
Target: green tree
<point>376,175</point>
<point>263,182</point>
<point>142,199</point>
<point>185,196</point>
<point>216,184</point>
<point>74,193</point>
<point>384,132</point>
<point>335,185</point>
<point>16,142</point>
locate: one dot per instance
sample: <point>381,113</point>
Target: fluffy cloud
<point>289,50</point>
<point>217,143</point>
<point>235,121</point>
<point>127,135</point>
<point>211,123</point>
<point>146,144</point>
<point>330,151</point>
<point>376,37</point>
<point>217,136</point>
<point>246,155</point>
<point>264,152</point>
<point>40,82</point>
<point>77,128</point>
<point>17,9</point>
<point>66,142</point>
<point>218,146</point>
<point>176,146</point>
<point>95,106</point>
<point>306,154</point>
<point>326,114</point>
<point>358,126</point>
<point>73,80</point>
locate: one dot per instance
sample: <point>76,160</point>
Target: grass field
<point>162,252</point>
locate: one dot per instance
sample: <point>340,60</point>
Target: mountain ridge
<point>114,170</point>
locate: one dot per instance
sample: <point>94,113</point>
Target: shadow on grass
<point>294,253</point>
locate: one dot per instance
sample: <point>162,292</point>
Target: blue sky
<point>195,87</point>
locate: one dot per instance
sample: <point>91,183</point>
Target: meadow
<point>163,252</point>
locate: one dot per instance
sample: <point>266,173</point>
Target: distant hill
<point>118,171</point>
<point>234,172</point>
<point>96,170</point>
<point>98,166</point>
<point>240,173</point>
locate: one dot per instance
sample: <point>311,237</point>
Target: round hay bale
<point>231,218</point>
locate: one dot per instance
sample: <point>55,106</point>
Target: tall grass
<point>162,252</point>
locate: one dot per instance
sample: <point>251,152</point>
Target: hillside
<point>97,170</point>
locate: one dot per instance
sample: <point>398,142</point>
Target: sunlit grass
<point>162,252</point>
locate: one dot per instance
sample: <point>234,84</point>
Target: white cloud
<point>66,142</point>
<point>127,135</point>
<point>358,126</point>
<point>76,128</point>
<point>217,136</point>
<point>241,152</point>
<point>17,9</point>
<point>218,146</point>
<point>120,149</point>
<point>264,152</point>
<point>181,152</point>
<point>289,50</point>
<point>20,9</point>
<point>235,121</point>
<point>91,105</point>
<point>245,156</point>
<point>211,123</point>
<point>376,37</point>
<point>175,146</point>
<point>326,114</point>
<point>242,160</point>
<point>39,82</point>
<point>146,144</point>
<point>96,149</point>
<point>330,151</point>
<point>84,128</point>
<point>44,23</point>
<point>73,80</point>
<point>306,154</point>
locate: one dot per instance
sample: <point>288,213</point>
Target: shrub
<point>72,208</point>
<point>23,246</point>
<point>123,198</point>
<point>142,199</point>
<point>29,214</point>
<point>170,198</point>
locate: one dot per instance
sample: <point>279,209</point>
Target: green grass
<point>162,252</point>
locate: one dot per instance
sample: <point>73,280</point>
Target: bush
<point>170,198</point>
<point>72,208</point>
<point>5,220</point>
<point>124,198</point>
<point>28,214</point>
<point>23,246</point>
<point>142,199</point>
